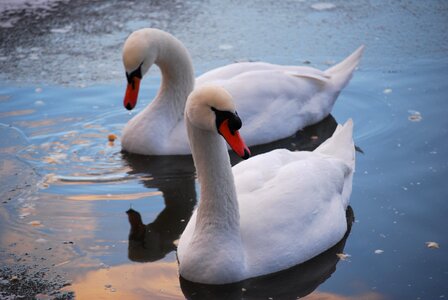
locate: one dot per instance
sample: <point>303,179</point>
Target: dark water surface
<point>68,195</point>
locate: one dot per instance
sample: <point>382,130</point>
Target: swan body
<point>273,100</point>
<point>266,214</point>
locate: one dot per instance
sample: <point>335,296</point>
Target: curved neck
<point>178,79</point>
<point>218,206</point>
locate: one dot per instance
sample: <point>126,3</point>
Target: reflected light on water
<point>91,197</point>
<point>16,113</point>
<point>158,280</point>
<point>330,296</point>
<point>38,123</point>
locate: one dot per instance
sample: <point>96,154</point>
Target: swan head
<point>139,55</point>
<point>211,108</point>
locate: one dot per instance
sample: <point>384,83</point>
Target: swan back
<point>262,92</point>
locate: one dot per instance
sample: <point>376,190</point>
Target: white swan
<point>266,214</point>
<point>274,101</point>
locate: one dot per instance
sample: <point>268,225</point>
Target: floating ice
<point>432,245</point>
<point>225,47</point>
<point>323,6</point>
<point>415,116</point>
<point>343,256</point>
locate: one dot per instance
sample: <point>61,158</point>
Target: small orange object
<point>111,137</point>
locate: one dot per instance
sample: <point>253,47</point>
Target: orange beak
<point>130,98</point>
<point>234,140</point>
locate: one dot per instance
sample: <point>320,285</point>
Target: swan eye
<point>232,117</point>
<point>136,73</point>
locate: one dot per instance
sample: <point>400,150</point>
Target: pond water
<point>68,195</point>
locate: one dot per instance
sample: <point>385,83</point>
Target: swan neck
<point>177,71</point>
<point>218,206</point>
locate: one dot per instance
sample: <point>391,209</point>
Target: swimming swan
<point>274,101</point>
<point>268,213</point>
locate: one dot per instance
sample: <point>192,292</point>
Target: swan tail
<point>341,144</point>
<point>343,71</point>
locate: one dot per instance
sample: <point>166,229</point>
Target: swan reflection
<point>174,176</point>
